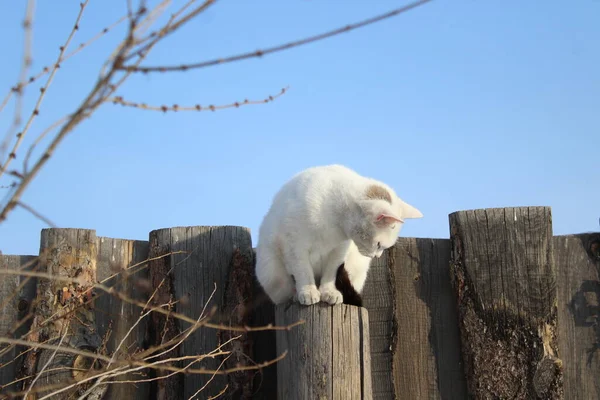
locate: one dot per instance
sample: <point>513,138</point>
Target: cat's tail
<point>277,283</point>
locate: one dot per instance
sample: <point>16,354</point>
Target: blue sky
<point>457,105</point>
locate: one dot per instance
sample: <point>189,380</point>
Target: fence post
<point>196,261</point>
<point>64,314</point>
<point>503,272</point>
<point>328,357</point>
<point>16,295</point>
<point>121,266</point>
<point>577,259</point>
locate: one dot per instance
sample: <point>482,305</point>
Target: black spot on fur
<point>342,283</point>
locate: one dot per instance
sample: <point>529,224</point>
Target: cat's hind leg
<point>277,283</point>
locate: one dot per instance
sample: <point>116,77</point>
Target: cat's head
<point>382,215</point>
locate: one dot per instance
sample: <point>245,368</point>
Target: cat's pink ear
<point>388,219</point>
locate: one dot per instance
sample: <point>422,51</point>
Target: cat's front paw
<point>308,295</point>
<point>331,295</point>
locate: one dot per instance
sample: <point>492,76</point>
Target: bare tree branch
<point>197,107</point>
<point>27,60</point>
<point>36,110</point>
<point>281,47</point>
<point>25,82</point>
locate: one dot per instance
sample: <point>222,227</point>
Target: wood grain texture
<point>328,356</point>
<point>505,279</point>
<point>378,299</point>
<point>577,259</point>
<point>263,342</point>
<point>426,358</point>
<point>236,310</point>
<point>114,317</point>
<point>16,295</point>
<point>192,276</point>
<point>64,313</point>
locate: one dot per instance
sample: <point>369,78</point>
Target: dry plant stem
<point>45,70</point>
<point>123,297</point>
<point>172,26</point>
<point>36,214</point>
<point>190,329</point>
<point>185,318</point>
<point>144,263</point>
<point>216,352</point>
<point>211,378</point>
<point>31,274</point>
<point>286,46</point>
<point>38,140</point>
<point>47,362</point>
<point>147,21</point>
<point>221,393</point>
<point>116,351</point>
<point>197,107</point>
<point>77,117</point>
<point>27,60</point>
<point>122,369</point>
<point>43,91</point>
<point>70,350</point>
<point>102,89</point>
<point>32,376</point>
<point>140,365</point>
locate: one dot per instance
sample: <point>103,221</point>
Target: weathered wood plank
<point>577,259</point>
<point>503,272</point>
<point>328,356</point>
<point>263,342</point>
<point>200,262</point>
<point>427,360</point>
<point>236,310</point>
<point>121,266</point>
<point>64,315</point>
<point>378,299</point>
<point>16,295</point>
<point>264,348</point>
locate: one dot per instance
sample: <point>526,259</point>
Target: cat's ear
<point>409,211</point>
<point>388,219</point>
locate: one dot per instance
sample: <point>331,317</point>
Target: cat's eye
<point>378,245</point>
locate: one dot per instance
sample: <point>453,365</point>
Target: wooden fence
<point>503,309</point>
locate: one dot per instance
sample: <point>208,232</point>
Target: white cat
<point>323,217</point>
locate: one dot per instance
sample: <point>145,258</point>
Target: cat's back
<point>316,184</point>
<point>308,193</point>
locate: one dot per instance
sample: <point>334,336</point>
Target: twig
<point>36,214</point>
<point>43,90</point>
<point>39,374</point>
<point>39,139</point>
<point>211,378</point>
<point>172,26</point>
<point>221,393</point>
<point>70,350</point>
<point>94,99</point>
<point>46,69</point>
<point>123,297</point>
<point>197,107</point>
<point>27,60</point>
<point>146,261</point>
<point>286,46</point>
<point>154,365</point>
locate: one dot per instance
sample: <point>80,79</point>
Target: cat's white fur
<point>323,217</point>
